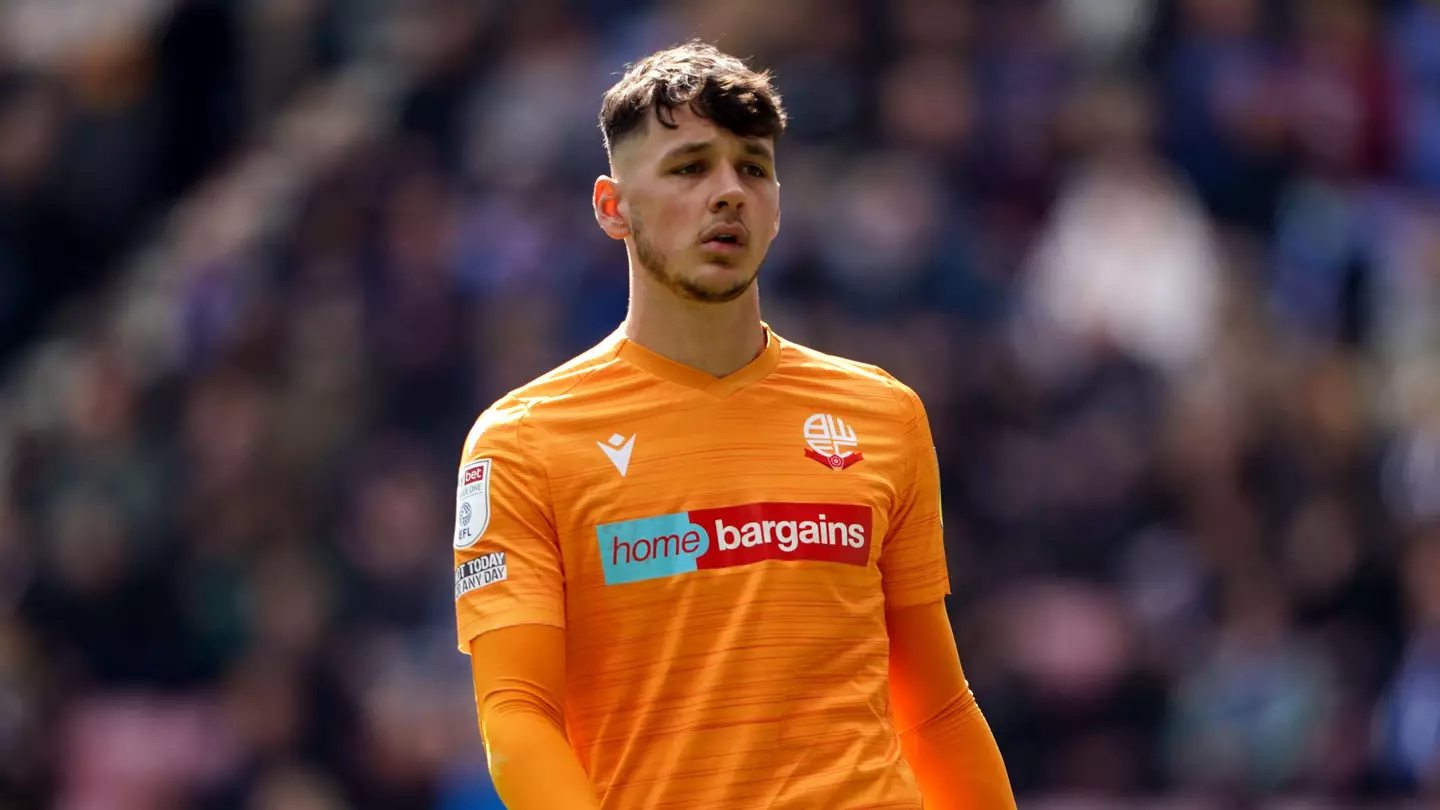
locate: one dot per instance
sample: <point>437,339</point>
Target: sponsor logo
<point>618,451</point>
<point>472,508</point>
<point>472,575</point>
<point>707,539</point>
<point>831,442</point>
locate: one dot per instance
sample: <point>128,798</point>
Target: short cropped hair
<point>715,85</point>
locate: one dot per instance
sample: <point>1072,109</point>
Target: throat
<point>718,346</point>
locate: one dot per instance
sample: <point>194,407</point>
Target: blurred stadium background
<point>1166,273</point>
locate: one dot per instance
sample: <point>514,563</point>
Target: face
<point>698,203</point>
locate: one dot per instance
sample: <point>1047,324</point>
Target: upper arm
<point>912,557</point>
<point>508,567</point>
<point>925,671</point>
<point>525,662</point>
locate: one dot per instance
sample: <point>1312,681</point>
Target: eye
<point>688,168</point>
<point>755,170</point>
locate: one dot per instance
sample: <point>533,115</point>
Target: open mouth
<point>724,238</point>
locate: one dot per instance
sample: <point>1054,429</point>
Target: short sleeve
<point>508,567</point>
<point>912,556</point>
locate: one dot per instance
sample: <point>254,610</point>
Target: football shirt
<point>721,554</point>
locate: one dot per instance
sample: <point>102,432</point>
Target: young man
<point>700,566</point>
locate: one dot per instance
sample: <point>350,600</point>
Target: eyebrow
<point>758,150</point>
<point>753,148</point>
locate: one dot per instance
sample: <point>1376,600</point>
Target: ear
<point>606,201</point>
<point>775,232</point>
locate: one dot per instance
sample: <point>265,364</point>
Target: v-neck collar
<point>691,377</point>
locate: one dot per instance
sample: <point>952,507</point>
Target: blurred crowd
<point>1167,275</point>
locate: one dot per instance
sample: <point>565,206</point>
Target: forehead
<point>657,141</point>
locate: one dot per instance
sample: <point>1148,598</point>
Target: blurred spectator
<point>1251,717</point>
<point>1408,733</point>
<point>1414,39</point>
<point>118,122</point>
<point>1129,259</point>
<point>1224,121</point>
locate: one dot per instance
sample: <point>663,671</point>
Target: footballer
<point>701,566</point>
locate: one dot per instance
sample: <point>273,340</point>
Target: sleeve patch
<point>472,510</point>
<point>475,574</point>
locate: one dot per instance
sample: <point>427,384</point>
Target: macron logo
<point>618,451</point>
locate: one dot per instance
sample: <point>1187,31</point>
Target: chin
<point>715,296</point>
<point>717,287</point>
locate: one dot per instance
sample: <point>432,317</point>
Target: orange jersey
<point>721,554</point>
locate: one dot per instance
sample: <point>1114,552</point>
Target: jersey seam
<point>514,617</point>
<point>907,423</point>
<point>544,472</point>
<point>852,366</point>
<point>529,406</point>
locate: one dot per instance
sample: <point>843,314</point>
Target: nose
<point>729,191</point>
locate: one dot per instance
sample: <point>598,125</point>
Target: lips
<point>730,233</point>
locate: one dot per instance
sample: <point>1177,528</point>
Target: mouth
<point>729,238</point>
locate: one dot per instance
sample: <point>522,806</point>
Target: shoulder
<point>820,367</point>
<point>501,424</point>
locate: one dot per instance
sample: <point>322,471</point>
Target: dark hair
<point>715,85</point>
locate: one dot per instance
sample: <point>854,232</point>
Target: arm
<point>519,681</point>
<point>510,614</point>
<point>942,733</point>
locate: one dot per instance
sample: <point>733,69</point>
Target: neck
<point>718,339</point>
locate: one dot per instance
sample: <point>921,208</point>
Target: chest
<point>659,492</point>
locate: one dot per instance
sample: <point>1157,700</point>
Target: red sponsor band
<point>474,474</point>
<point>785,531</point>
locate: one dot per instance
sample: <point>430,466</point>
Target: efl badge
<point>831,441</point>
<point>472,510</point>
